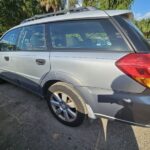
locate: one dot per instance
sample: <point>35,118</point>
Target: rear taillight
<point>137,66</point>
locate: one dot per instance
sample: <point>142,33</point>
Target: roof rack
<point>62,12</point>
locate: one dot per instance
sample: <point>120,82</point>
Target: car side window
<point>8,41</point>
<point>86,34</point>
<point>32,38</point>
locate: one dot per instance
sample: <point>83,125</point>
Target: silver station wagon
<point>84,62</point>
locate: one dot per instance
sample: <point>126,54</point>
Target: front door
<point>7,47</point>
<point>31,60</point>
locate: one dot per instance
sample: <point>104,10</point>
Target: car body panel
<point>24,64</point>
<point>95,69</point>
<point>23,69</point>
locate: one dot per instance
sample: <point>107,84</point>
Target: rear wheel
<point>66,104</point>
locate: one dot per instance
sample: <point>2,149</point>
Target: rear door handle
<point>40,61</point>
<point>6,58</point>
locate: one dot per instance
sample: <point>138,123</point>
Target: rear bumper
<point>126,107</point>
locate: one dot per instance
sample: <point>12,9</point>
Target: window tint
<point>8,42</point>
<point>90,34</point>
<point>32,38</point>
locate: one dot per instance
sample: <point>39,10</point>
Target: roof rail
<point>62,12</point>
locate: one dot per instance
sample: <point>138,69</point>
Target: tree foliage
<point>115,4</point>
<point>12,12</point>
<point>109,4</point>
<point>54,5</point>
<point>50,5</point>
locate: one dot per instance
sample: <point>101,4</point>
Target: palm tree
<point>50,5</point>
<point>73,2</point>
<point>55,5</point>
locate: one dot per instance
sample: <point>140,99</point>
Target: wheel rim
<point>63,106</point>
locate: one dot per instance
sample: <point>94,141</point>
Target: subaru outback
<point>83,62</point>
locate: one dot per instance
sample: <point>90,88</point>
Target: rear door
<point>31,60</point>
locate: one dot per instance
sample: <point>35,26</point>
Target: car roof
<point>79,15</point>
<point>92,14</point>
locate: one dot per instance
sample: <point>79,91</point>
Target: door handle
<point>6,58</point>
<point>40,61</point>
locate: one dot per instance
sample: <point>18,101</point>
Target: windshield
<point>135,35</point>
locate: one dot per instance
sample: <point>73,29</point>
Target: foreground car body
<point>77,57</point>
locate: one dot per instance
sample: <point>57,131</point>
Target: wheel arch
<point>54,77</point>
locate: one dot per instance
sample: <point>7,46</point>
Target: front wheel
<point>66,104</point>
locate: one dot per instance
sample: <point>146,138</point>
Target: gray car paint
<point>94,69</point>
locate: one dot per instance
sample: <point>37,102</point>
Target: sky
<point>141,9</point>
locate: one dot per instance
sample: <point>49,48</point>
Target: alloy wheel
<point>63,106</point>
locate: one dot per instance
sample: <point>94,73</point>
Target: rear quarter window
<point>134,34</point>
<point>86,34</point>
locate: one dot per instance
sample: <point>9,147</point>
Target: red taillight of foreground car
<point>137,66</point>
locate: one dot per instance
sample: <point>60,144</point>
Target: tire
<point>75,107</point>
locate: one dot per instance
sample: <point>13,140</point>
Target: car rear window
<point>135,35</point>
<point>86,34</point>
